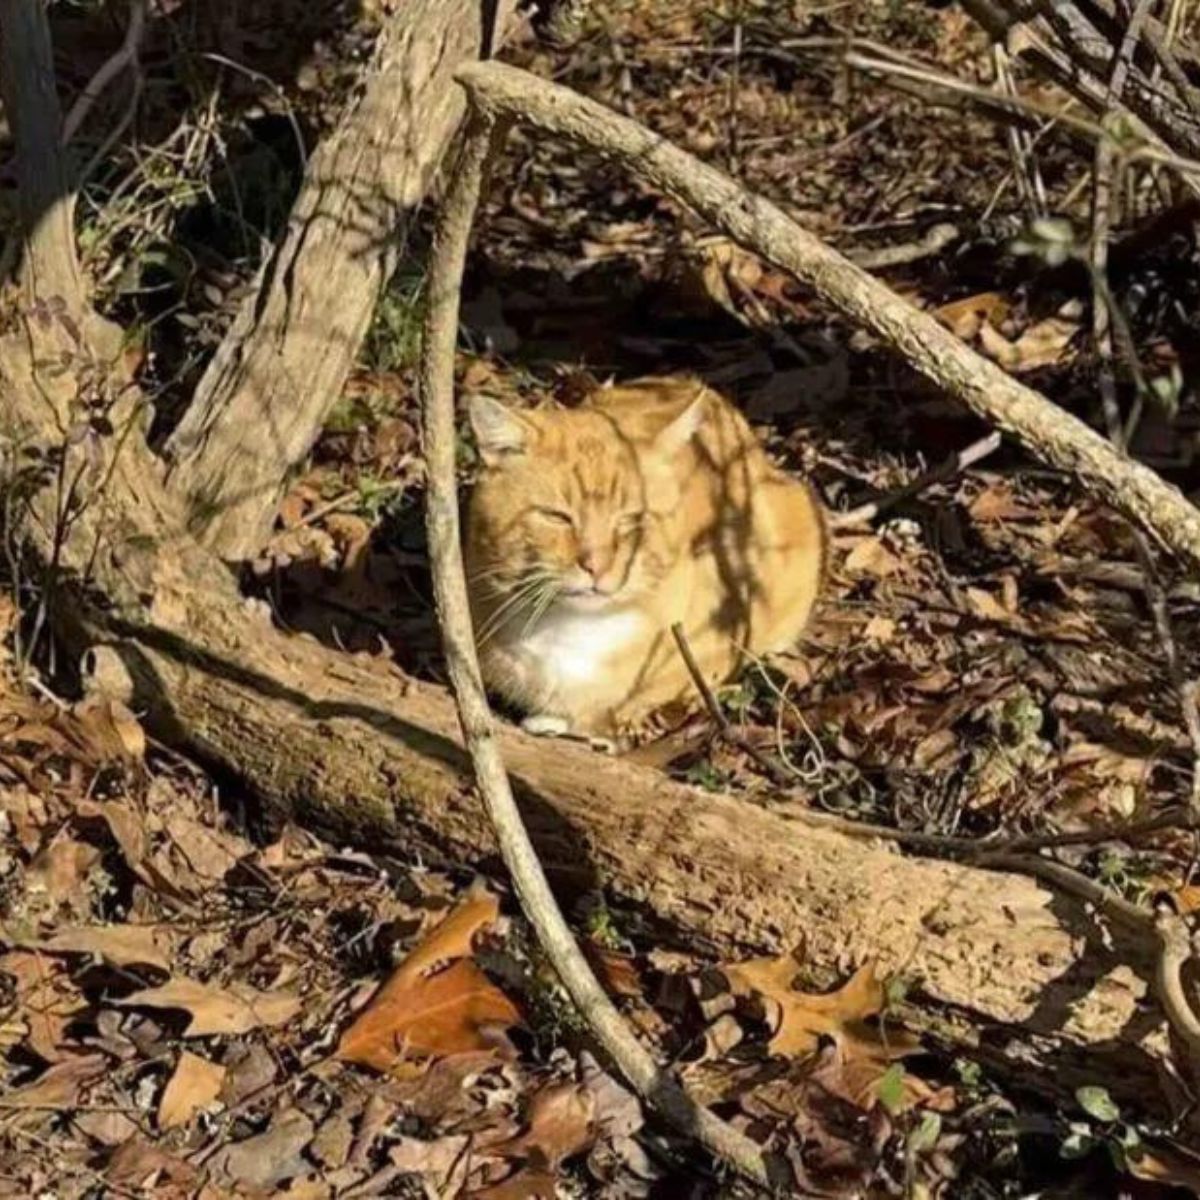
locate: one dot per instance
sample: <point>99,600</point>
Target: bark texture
<point>266,393</point>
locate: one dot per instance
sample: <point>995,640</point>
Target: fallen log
<point>368,757</point>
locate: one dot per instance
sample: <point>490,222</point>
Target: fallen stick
<point>950,466</point>
<point>1048,431</point>
<point>655,1085</point>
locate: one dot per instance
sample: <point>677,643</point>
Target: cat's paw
<point>545,725</point>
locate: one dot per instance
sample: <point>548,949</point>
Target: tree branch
<point>653,1083</point>
<point>1043,428</point>
<point>126,55</point>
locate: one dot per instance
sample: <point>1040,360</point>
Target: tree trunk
<point>266,393</point>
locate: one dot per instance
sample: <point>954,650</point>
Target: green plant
<point>394,340</point>
<point>705,775</point>
<point>1105,1128</point>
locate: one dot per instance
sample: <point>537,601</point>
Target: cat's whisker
<point>490,571</point>
<point>512,605</point>
<point>541,605</point>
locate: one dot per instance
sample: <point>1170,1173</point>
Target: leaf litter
<point>186,1010</point>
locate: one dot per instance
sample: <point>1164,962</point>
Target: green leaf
<point>1129,1137</point>
<point>1078,1142</point>
<point>926,1135</point>
<point>969,1072</point>
<point>891,1088</point>
<point>1097,1103</point>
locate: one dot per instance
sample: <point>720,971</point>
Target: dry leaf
<point>60,871</point>
<point>235,1009</point>
<point>617,972</point>
<point>997,503</point>
<point>111,730</point>
<point>964,317</point>
<point>871,557</point>
<point>59,1086</point>
<point>107,1128</point>
<point>1041,345</point>
<point>138,1164</point>
<point>128,830</point>
<point>209,853</point>
<point>1186,899</point>
<point>47,1001</point>
<point>560,1123</point>
<point>270,1158</point>
<point>803,1019</point>
<point>294,505</point>
<point>428,1007</point>
<point>333,1140</point>
<point>194,1085</point>
<point>524,1185</point>
<point>1166,1165</point>
<point>119,945</point>
<point>986,606</point>
<point>441,1161</point>
<point>249,1068</point>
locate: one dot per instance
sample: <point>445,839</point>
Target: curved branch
<point>126,55</point>
<point>658,1088</point>
<point>1046,430</point>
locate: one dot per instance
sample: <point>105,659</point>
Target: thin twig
<point>933,241</point>
<point>776,771</point>
<point>1019,106</point>
<point>126,55</point>
<point>950,466</point>
<point>1020,144</point>
<point>652,1082</point>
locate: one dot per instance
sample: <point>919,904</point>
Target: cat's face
<point>570,509</point>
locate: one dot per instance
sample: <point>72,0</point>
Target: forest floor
<point>188,993</point>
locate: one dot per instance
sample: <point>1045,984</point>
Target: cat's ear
<point>499,432</point>
<point>682,428</point>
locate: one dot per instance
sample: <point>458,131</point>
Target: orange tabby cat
<point>592,530</point>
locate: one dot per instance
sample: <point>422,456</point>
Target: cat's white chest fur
<point>570,650</point>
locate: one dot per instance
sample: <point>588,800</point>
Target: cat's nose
<point>589,560</point>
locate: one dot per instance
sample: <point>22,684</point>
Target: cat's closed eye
<point>630,522</point>
<point>555,516</point>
